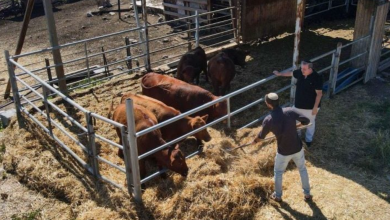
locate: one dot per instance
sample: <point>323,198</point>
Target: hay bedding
<point>219,185</point>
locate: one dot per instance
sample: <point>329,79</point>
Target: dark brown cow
<point>221,72</point>
<point>181,95</point>
<point>237,56</point>
<point>171,158</point>
<point>164,112</point>
<point>191,65</point>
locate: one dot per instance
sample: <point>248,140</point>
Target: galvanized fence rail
<point>326,5</point>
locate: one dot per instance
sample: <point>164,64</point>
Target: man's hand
<point>315,111</point>
<point>277,73</point>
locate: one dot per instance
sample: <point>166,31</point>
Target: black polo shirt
<point>305,95</point>
<point>282,122</point>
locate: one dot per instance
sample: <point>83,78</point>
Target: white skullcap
<point>273,96</point>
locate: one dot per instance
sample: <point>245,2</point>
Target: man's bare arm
<point>285,74</point>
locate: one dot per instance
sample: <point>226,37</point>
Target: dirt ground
<point>219,186</point>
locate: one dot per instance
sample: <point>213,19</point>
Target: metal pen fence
<point>321,6</point>
<point>84,135</point>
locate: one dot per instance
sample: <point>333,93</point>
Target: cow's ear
<point>205,117</point>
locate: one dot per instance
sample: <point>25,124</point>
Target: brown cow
<point>181,95</point>
<point>164,112</point>
<point>221,73</point>
<point>191,65</point>
<point>237,56</point>
<point>171,158</point>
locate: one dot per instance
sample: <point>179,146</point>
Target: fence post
<point>87,62</point>
<point>197,28</point>
<point>330,5</point>
<point>14,86</point>
<point>133,150</point>
<point>91,145</point>
<point>146,32</point>
<point>228,112</point>
<point>128,52</point>
<point>334,71</point>
<point>347,3</point>
<point>298,25</point>
<point>238,20</point>
<point>127,158</point>
<point>189,36</point>
<point>107,70</point>
<point>47,108</point>
<point>49,76</point>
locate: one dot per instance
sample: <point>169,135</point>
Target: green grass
<point>27,216</point>
<point>94,82</point>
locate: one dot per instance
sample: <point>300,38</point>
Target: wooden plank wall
<point>265,18</point>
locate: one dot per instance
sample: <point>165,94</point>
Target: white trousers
<point>311,129</point>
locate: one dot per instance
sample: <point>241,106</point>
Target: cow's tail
<point>111,107</point>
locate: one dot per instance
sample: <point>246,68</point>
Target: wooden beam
<point>51,26</point>
<point>375,50</point>
<point>22,36</point>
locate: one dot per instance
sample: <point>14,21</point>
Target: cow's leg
<point>200,145</point>
<point>216,88</point>
<point>197,78</point>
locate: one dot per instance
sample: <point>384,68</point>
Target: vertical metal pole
<point>47,108</point>
<point>129,62</point>
<point>331,76</point>
<point>49,76</point>
<point>189,36</point>
<point>233,16</point>
<point>330,5</point>
<point>51,26</point>
<point>146,32</point>
<point>91,144</point>
<point>14,87</point>
<point>197,28</point>
<point>140,31</point>
<point>87,62</point>
<point>335,68</point>
<point>298,26</point>
<point>133,150</point>
<point>127,158</point>
<point>228,112</point>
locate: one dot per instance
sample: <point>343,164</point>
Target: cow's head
<point>177,161</point>
<point>198,122</point>
<point>241,56</point>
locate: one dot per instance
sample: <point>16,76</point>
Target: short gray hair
<point>307,62</point>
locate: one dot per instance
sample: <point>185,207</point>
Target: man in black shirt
<point>307,95</point>
<point>282,122</point>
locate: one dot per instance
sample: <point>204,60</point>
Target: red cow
<point>181,95</point>
<point>163,112</point>
<point>171,158</point>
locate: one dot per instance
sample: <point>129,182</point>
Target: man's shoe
<point>308,144</point>
<point>275,198</point>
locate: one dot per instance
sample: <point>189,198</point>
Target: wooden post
<point>107,70</point>
<point>51,26</point>
<point>189,36</point>
<point>119,9</point>
<point>129,62</point>
<point>49,76</point>
<point>365,10</point>
<point>298,26</point>
<point>375,49</point>
<point>22,36</point>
